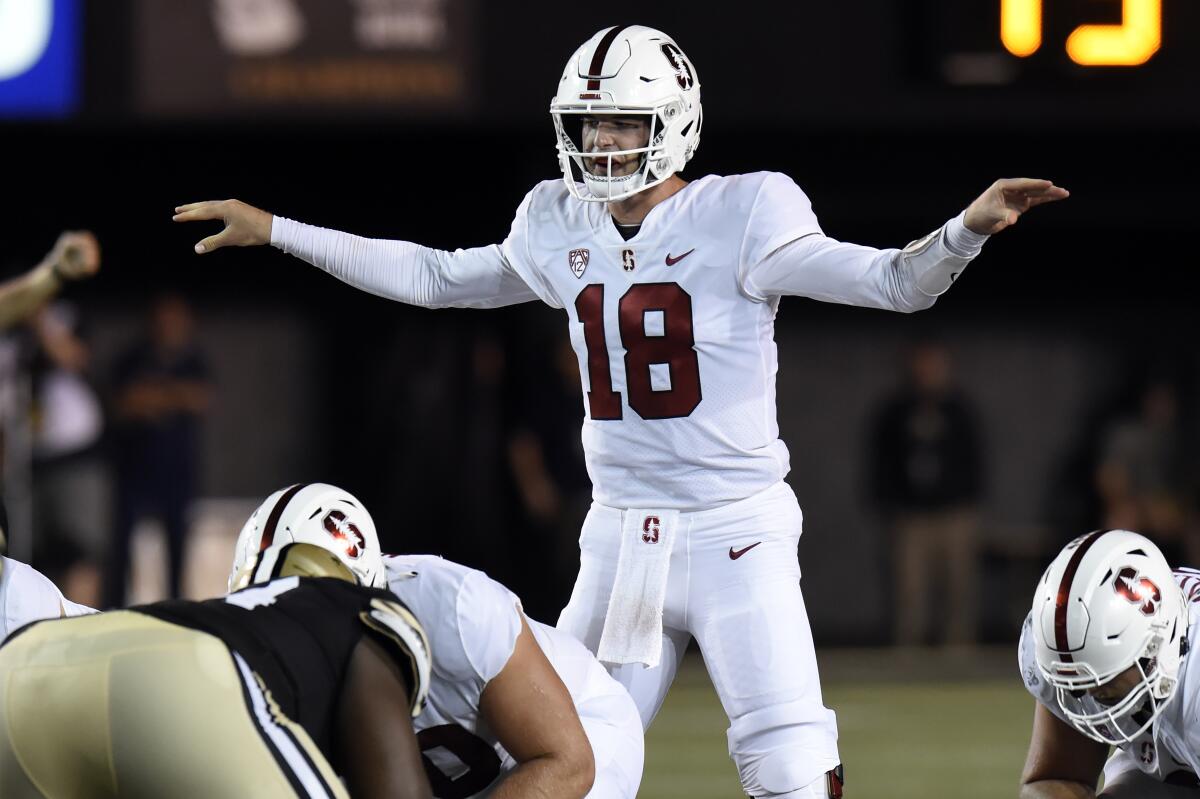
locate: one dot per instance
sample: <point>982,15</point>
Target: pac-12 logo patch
<point>650,530</point>
<point>578,259</point>
<point>336,525</point>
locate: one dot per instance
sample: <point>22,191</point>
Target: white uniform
<point>26,595</point>
<point>674,331</point>
<point>1170,749</point>
<point>473,623</point>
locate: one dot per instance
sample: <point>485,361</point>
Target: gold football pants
<point>125,705</point>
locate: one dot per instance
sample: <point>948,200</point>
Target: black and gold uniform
<point>228,697</point>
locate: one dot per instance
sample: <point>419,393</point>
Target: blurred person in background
<point>161,394</point>
<point>75,256</point>
<point>71,490</point>
<point>927,480</point>
<point>1109,653</point>
<point>547,462</point>
<point>1145,473</point>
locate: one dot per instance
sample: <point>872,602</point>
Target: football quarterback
<point>671,290</point>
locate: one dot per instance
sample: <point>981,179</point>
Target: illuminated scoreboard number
<point>1130,43</point>
<point>1146,51</point>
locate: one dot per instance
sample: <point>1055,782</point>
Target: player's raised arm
<point>75,256</point>
<point>532,715</point>
<point>399,270</point>
<point>814,265</point>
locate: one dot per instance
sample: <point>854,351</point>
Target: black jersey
<point>297,634</point>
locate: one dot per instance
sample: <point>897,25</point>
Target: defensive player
<point>671,290</point>
<point>1105,651</point>
<point>272,691</point>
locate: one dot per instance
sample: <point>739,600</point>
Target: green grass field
<point>911,727</point>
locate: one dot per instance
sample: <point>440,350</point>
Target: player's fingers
<point>1024,184</point>
<point>214,242</point>
<point>196,211</point>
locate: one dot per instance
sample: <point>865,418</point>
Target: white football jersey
<point>27,595</point>
<point>676,347</point>
<point>472,623</point>
<point>1177,730</point>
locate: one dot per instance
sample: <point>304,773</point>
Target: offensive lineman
<point>1105,653</point>
<point>272,691</point>
<point>515,708</point>
<point>671,290</point>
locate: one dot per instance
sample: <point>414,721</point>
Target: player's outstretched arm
<point>245,225</point>
<point>75,255</point>
<point>1062,763</point>
<point>532,714</point>
<point>1006,200</point>
<point>375,740</point>
<point>398,270</point>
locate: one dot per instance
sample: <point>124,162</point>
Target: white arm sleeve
<point>400,270</point>
<point>905,280</point>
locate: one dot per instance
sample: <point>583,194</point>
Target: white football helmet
<point>627,70</point>
<point>312,513</point>
<point>1108,603</point>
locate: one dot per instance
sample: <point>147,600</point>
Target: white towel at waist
<point>633,625</point>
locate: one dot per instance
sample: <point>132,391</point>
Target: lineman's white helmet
<point>1108,603</point>
<point>313,513</point>
<point>627,71</point>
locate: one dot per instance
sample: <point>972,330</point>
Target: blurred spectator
<point>546,456</point>
<point>71,492</point>
<point>161,394</point>
<point>1143,475</point>
<point>926,481</point>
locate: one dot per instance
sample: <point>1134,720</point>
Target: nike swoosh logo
<point>672,261</point>
<point>734,554</point>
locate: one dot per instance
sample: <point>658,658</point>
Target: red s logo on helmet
<point>336,525</point>
<point>1138,590</point>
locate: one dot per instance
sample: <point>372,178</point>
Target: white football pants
<point>733,584</point>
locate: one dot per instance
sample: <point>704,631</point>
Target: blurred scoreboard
<point>1139,45</point>
<point>39,54</point>
<point>249,58</point>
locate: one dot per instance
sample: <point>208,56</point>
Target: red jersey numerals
<point>674,347</point>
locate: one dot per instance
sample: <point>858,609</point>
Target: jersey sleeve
<point>401,270</point>
<point>780,213</point>
<point>26,595</point>
<point>489,623</point>
<point>518,250</point>
<point>392,624</point>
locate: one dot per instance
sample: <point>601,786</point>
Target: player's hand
<point>1006,199</point>
<point>76,255</point>
<point>245,225</point>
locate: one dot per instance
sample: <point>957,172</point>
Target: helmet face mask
<point>624,72</point>
<point>315,513</point>
<point>1110,628</point>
